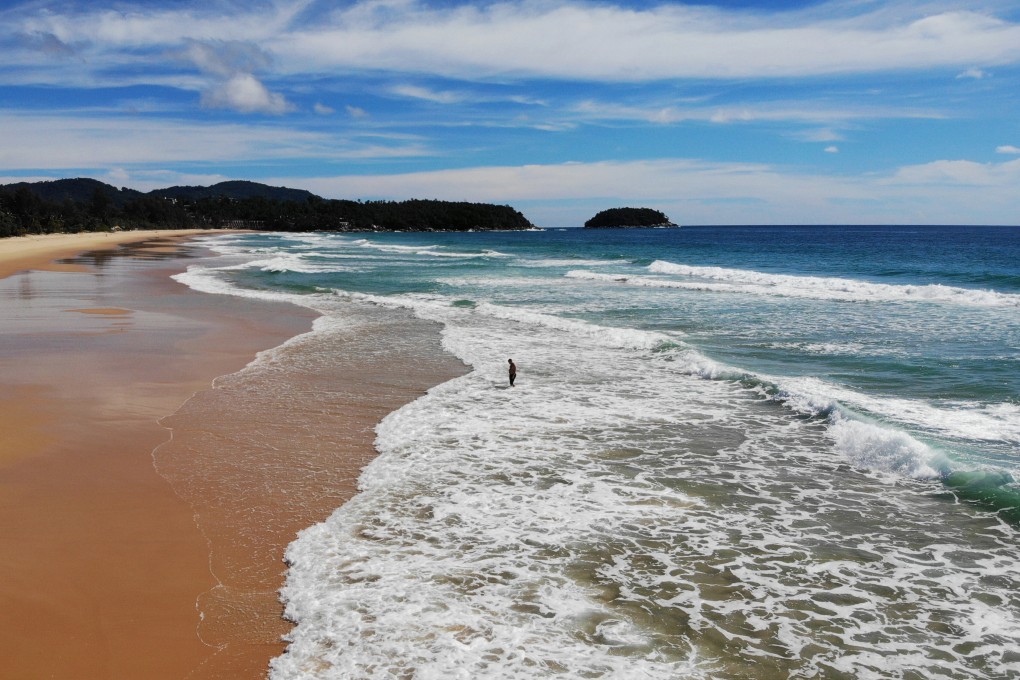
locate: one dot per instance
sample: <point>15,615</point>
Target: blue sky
<point>725,112</point>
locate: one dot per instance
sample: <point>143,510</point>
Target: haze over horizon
<point>725,112</point>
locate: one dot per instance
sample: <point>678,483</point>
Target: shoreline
<point>115,565</point>
<point>41,251</point>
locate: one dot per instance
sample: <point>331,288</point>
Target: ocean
<point>731,452</point>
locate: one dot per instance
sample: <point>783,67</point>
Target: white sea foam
<point>822,288</point>
<point>838,348</point>
<point>440,309</point>
<point>966,421</point>
<point>302,265</point>
<point>521,618</point>
<point>865,444</point>
<point>489,283</point>
<point>213,280</point>
<point>428,250</point>
<point>869,446</point>
<point>872,447</point>
<point>566,262</point>
<point>635,508</point>
<point>573,527</point>
<point>208,280</point>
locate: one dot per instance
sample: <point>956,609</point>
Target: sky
<point>715,112</point>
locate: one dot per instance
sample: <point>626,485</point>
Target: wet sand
<point>112,569</point>
<point>40,251</point>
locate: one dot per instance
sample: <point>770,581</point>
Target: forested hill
<point>238,190</point>
<point>629,217</point>
<point>71,205</point>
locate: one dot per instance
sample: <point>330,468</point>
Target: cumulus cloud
<point>322,109</point>
<point>1007,148</point>
<point>232,65</point>
<point>243,92</point>
<point>832,149</point>
<point>356,111</point>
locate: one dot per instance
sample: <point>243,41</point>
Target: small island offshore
<point>74,205</point>
<point>619,218</point>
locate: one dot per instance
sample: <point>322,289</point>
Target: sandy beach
<point>143,530</point>
<point>41,251</point>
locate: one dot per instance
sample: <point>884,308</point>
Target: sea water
<point>761,452</point>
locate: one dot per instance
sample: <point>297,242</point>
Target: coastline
<point>114,572</point>
<point>40,251</point>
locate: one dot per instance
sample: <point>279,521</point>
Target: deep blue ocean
<point>731,452</point>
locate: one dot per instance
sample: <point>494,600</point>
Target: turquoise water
<point>731,452</point>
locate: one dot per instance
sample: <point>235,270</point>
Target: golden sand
<point>38,251</point>
<point>111,569</point>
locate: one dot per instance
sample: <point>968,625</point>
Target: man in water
<point>513,371</point>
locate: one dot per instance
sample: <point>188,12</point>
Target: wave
<point>211,280</point>
<point>868,431</point>
<point>873,447</point>
<point>443,309</point>
<point>566,262</point>
<point>721,279</point>
<point>500,283</point>
<point>865,444</point>
<point>430,251</point>
<point>993,489</point>
<point>301,265</point>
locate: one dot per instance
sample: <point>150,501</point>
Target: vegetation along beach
<point>512,340</point>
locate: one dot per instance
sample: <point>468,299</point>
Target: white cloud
<point>690,191</point>
<point>47,43</point>
<point>820,135</point>
<point>832,149</point>
<point>1007,148</point>
<point>960,173</point>
<point>50,142</point>
<point>232,64</point>
<point>137,28</point>
<point>566,39</point>
<point>322,109</point>
<point>416,92</point>
<point>674,178</point>
<point>698,192</point>
<point>245,93</point>
<point>603,42</point>
<point>356,111</point>
<point>225,58</point>
<point>803,112</point>
<point>147,180</point>
<point>975,73</point>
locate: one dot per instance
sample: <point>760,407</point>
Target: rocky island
<point>628,217</point>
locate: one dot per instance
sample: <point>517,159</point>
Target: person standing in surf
<point>513,371</point>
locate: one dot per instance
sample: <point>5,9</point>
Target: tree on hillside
<point>629,217</point>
